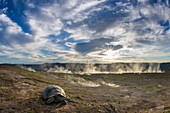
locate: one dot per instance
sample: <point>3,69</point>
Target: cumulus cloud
<point>11,33</point>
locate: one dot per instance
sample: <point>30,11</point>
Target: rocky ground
<point>20,92</point>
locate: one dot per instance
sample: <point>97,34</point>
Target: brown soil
<point>20,92</point>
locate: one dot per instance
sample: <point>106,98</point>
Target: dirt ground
<point>20,92</point>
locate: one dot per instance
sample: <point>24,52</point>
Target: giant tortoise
<point>54,94</point>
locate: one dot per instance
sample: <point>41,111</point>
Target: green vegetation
<point>11,98</point>
<point>41,102</point>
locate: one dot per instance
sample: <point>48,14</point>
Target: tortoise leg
<point>61,104</point>
<point>50,100</point>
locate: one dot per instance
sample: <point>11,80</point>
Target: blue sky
<point>83,31</point>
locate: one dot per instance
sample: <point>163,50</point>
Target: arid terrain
<point>20,92</point>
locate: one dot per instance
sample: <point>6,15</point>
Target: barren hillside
<point>20,92</point>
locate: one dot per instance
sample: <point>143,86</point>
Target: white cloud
<point>31,5</point>
<point>136,28</point>
<point>88,4</point>
<point>81,32</point>
<point>12,35</point>
<point>11,27</point>
<point>45,28</point>
<point>14,43</point>
<point>70,3</point>
<point>4,10</point>
<point>48,21</point>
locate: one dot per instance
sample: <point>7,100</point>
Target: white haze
<point>58,69</point>
<point>88,83</point>
<point>106,69</point>
<point>110,84</point>
<point>81,81</point>
<point>27,68</point>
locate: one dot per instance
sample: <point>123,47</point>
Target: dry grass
<point>20,92</point>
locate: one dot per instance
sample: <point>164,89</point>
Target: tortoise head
<point>60,98</point>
